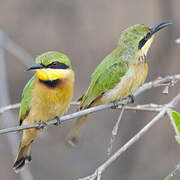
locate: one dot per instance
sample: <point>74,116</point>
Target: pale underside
<point>46,104</point>
<point>129,83</point>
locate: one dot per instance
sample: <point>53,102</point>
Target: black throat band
<point>49,83</point>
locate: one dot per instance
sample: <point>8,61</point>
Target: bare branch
<point>174,172</point>
<point>9,107</point>
<point>156,83</point>
<point>16,50</point>
<point>145,107</point>
<point>66,117</point>
<point>115,131</point>
<point>162,113</point>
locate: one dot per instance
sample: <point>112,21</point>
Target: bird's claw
<point>115,105</point>
<point>131,98</point>
<point>42,125</point>
<point>58,121</point>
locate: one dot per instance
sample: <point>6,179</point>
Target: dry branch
<point>174,172</point>
<point>97,174</point>
<point>166,81</point>
<point>115,131</point>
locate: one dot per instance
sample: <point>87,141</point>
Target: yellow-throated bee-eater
<point>46,96</point>
<point>120,73</point>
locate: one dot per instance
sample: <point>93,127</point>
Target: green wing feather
<point>26,100</point>
<point>106,76</point>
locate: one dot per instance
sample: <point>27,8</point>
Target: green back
<point>115,65</point>
<point>108,73</point>
<point>26,100</point>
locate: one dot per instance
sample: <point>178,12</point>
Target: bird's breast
<point>128,84</point>
<point>49,102</point>
<point>140,71</point>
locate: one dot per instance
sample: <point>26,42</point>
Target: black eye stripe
<point>142,43</point>
<point>57,66</point>
<point>144,40</point>
<point>61,66</point>
<point>42,65</point>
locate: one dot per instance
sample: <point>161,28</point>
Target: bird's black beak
<point>35,66</point>
<point>159,26</point>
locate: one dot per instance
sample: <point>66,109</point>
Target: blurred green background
<point>87,30</point>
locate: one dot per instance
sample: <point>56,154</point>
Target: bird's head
<point>51,66</point>
<point>138,38</point>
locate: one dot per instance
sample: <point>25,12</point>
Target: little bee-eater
<point>121,72</point>
<point>46,96</point>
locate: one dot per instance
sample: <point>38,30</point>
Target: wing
<point>108,73</point>
<point>26,100</point>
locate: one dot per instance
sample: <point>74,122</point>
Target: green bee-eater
<point>120,73</point>
<point>46,96</point>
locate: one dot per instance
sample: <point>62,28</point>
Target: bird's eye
<point>55,64</point>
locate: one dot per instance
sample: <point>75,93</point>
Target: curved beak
<point>35,66</point>
<point>159,26</point>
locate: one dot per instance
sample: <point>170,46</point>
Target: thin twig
<point>144,107</point>
<point>9,107</point>
<point>133,139</point>
<point>156,83</point>
<point>115,131</point>
<point>16,50</point>
<point>174,172</point>
<point>124,148</point>
<point>65,118</point>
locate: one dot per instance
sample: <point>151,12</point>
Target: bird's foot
<point>131,98</point>
<point>115,105</point>
<point>28,158</point>
<point>58,121</point>
<point>42,125</point>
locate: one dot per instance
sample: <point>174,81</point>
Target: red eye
<point>54,64</point>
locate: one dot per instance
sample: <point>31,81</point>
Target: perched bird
<point>46,96</point>
<point>120,73</point>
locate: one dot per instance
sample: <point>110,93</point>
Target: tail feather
<point>73,136</point>
<point>23,157</point>
<point>19,164</point>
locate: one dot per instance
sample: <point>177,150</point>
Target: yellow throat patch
<point>52,74</point>
<point>143,51</point>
